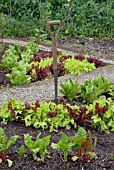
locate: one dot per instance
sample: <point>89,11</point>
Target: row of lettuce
<point>97,108</point>
<point>25,65</point>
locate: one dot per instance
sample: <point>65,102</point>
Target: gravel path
<point>44,90</point>
<point>103,50</point>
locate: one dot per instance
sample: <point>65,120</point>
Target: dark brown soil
<point>3,79</point>
<point>106,46</point>
<point>104,148</point>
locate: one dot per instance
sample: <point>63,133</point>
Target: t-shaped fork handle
<point>54,49</point>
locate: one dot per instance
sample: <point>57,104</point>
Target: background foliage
<point>84,18</point>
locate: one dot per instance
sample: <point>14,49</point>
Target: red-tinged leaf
<point>37,104</point>
<point>87,121</point>
<point>96,62</point>
<point>79,57</point>
<point>27,106</point>
<point>63,58</point>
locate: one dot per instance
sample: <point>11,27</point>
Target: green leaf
<point>54,146</point>
<point>21,151</point>
<point>96,118</point>
<point>38,146</point>
<point>2,136</point>
<point>28,142</point>
<point>74,158</point>
<point>92,89</point>
<point>80,137</point>
<point>74,66</point>
<point>70,89</point>
<point>64,144</point>
<point>12,141</point>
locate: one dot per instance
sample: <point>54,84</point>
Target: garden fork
<point>54,49</point>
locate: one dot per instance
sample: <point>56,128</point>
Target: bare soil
<point>104,148</point>
<point>104,46</point>
<point>3,79</point>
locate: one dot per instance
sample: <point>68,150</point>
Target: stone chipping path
<point>44,90</point>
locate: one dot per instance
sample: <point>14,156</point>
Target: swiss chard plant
<point>64,144</point>
<point>81,142</point>
<point>78,142</point>
<point>5,143</point>
<point>37,147</point>
<point>70,89</point>
<point>21,151</point>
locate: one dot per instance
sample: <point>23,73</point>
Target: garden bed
<point>105,142</point>
<point>45,71</point>
<point>104,151</point>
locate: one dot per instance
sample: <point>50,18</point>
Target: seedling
<point>21,151</point>
<point>64,145</point>
<point>37,147</point>
<point>6,144</point>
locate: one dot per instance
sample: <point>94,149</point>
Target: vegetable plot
<point>98,112</point>
<point>82,142</point>
<point>28,64</point>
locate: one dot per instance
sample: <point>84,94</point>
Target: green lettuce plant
<point>19,63</point>
<point>9,60</point>
<point>48,114</point>
<point>92,89</point>
<point>60,118</point>
<point>31,48</point>
<point>70,89</point>
<point>103,116</point>
<point>112,91</point>
<point>51,115</point>
<point>46,62</point>
<point>74,66</point>
<point>11,57</point>
<point>19,77</point>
